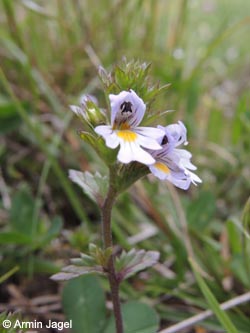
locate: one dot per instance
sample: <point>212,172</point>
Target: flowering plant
<point>130,151</point>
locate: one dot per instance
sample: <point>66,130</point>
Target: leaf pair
<point>128,264</point>
<point>84,303</point>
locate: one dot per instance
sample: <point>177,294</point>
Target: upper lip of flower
<point>127,111</point>
<point>126,108</point>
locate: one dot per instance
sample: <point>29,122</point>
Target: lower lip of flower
<point>127,135</point>
<point>162,167</point>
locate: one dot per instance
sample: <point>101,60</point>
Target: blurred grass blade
<point>194,320</point>
<point>246,228</point>
<point>12,24</point>
<point>177,25</point>
<point>8,274</point>
<point>36,8</point>
<point>35,129</point>
<point>16,52</point>
<point>214,305</point>
<point>216,42</point>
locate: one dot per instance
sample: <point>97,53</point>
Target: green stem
<point>108,242</point>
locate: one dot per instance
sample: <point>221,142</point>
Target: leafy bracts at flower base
<point>130,150</point>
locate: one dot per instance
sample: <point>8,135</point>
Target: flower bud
<point>95,116</point>
<point>89,112</point>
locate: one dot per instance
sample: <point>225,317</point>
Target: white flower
<point>127,111</point>
<point>174,164</point>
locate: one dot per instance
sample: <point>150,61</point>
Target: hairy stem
<point>107,240</point>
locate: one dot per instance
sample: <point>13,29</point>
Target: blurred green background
<point>50,52</point>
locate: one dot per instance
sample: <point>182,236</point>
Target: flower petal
<point>184,157</point>
<point>152,132</point>
<point>127,135</point>
<point>131,151</point>
<point>174,165</point>
<point>183,184</point>
<point>176,133</point>
<point>179,179</point>
<point>194,178</point>
<point>103,130</point>
<point>126,107</point>
<point>111,139</point>
<point>160,170</point>
<point>148,142</point>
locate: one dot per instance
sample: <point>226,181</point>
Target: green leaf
<point>200,212</point>
<point>93,263</point>
<point>95,186</point>
<point>137,318</point>
<point>21,212</point>
<point>131,75</point>
<point>84,303</point>
<point>40,265</point>
<point>238,120</point>
<point>129,263</point>
<point>240,269</point>
<point>155,117</point>
<point>129,174</point>
<point>100,256</point>
<point>214,305</point>
<point>9,118</point>
<point>105,77</point>
<point>216,120</point>
<point>235,232</point>
<point>73,271</point>
<point>54,230</point>
<point>98,144</point>
<point>14,237</point>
